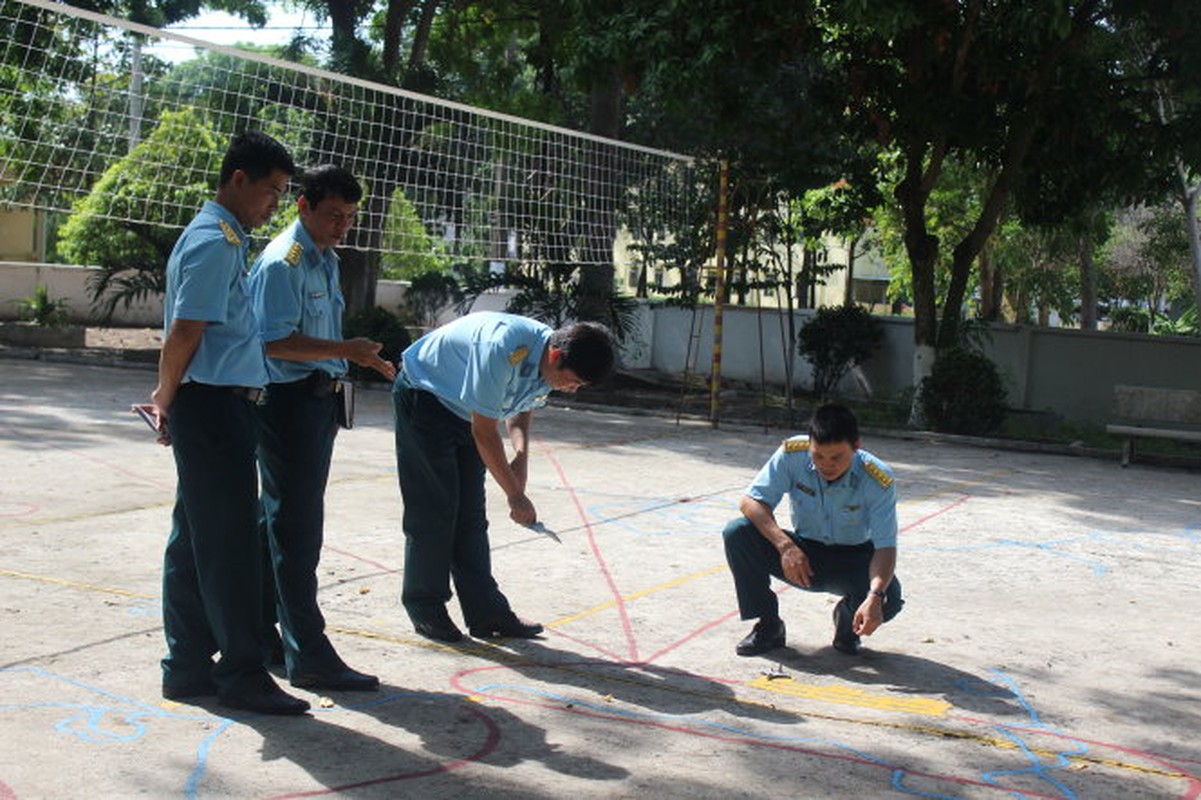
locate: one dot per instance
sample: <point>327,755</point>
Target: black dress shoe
<point>766,635</point>
<point>441,631</point>
<point>508,626</point>
<point>845,639</point>
<point>267,699</point>
<point>339,679</point>
<point>183,691</point>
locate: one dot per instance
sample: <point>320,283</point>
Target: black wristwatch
<point>877,593</point>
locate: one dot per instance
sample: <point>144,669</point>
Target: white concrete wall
<point>1068,372</point>
<point>20,280</point>
<point>1063,371</point>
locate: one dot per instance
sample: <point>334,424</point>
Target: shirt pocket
<point>316,304</point>
<point>851,518</point>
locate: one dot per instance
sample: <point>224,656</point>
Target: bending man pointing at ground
<point>454,387</point>
<point>844,516</point>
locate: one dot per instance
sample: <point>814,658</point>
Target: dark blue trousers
<point>841,570</point>
<point>296,443</point>
<point>445,519</point>
<point>212,578</point>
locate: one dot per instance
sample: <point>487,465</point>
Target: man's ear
<point>554,355</point>
<point>302,206</point>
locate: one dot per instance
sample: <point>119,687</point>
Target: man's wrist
<point>875,593</point>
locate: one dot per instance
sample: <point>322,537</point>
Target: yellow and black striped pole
<point>719,296</point>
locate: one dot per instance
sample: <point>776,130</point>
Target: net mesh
<point>93,122</point>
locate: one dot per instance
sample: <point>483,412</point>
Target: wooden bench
<point>1150,412</point>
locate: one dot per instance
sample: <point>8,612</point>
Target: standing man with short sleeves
<point>211,371</point>
<point>299,305</point>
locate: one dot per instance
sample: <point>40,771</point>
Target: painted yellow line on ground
<point>851,696</point>
<point>90,587</point>
<point>954,487</point>
<point>635,595</point>
<point>843,695</point>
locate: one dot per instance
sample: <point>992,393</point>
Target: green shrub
<point>428,293</point>
<point>380,325</point>
<point>835,340</point>
<point>963,394</point>
<point>40,309</point>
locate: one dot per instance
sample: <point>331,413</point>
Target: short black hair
<point>588,351</point>
<point>329,180</point>
<point>256,154</point>
<point>832,423</point>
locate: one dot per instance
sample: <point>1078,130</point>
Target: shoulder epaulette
<point>230,235</point>
<point>882,477</point>
<point>518,355</point>
<point>294,254</point>
<point>795,445</point>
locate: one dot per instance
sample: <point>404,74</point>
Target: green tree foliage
<point>132,255</point>
<point>835,340</point>
<point>1146,263</point>
<point>1034,94</point>
<point>409,250</point>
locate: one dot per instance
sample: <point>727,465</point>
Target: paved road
<point>1049,647</point>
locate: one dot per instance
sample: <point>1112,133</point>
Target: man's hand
<point>158,406</point>
<point>365,353</point>
<point>521,510</point>
<point>869,616</point>
<point>796,565</point>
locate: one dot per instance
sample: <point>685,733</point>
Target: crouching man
<point>844,537</point>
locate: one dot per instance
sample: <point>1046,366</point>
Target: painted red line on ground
<point>602,650</point>
<point>1192,790</point>
<point>622,612</point>
<point>102,462</point>
<point>28,509</point>
<point>348,554</point>
<point>693,635</point>
<point>490,744</point>
<point>940,511</point>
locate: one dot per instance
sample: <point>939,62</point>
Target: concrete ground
<point>1049,646</point>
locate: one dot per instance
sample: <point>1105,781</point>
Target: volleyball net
<point>93,120</point>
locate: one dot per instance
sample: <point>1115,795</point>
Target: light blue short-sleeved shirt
<point>860,506</point>
<point>206,281</point>
<point>295,290</point>
<point>484,363</point>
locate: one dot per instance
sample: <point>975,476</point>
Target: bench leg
<point>1127,450</point>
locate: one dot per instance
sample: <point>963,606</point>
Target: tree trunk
<point>1189,201</point>
<point>1088,285</point>
<point>596,273</point>
<point>848,295</point>
<point>989,309</point>
<point>394,20</point>
<point>421,37</point>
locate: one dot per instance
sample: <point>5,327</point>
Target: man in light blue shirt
<point>454,387</point>
<point>844,537</point>
<point>299,305</point>
<point>211,371</point>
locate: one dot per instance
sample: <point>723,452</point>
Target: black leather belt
<point>245,392</point>
<point>318,383</point>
